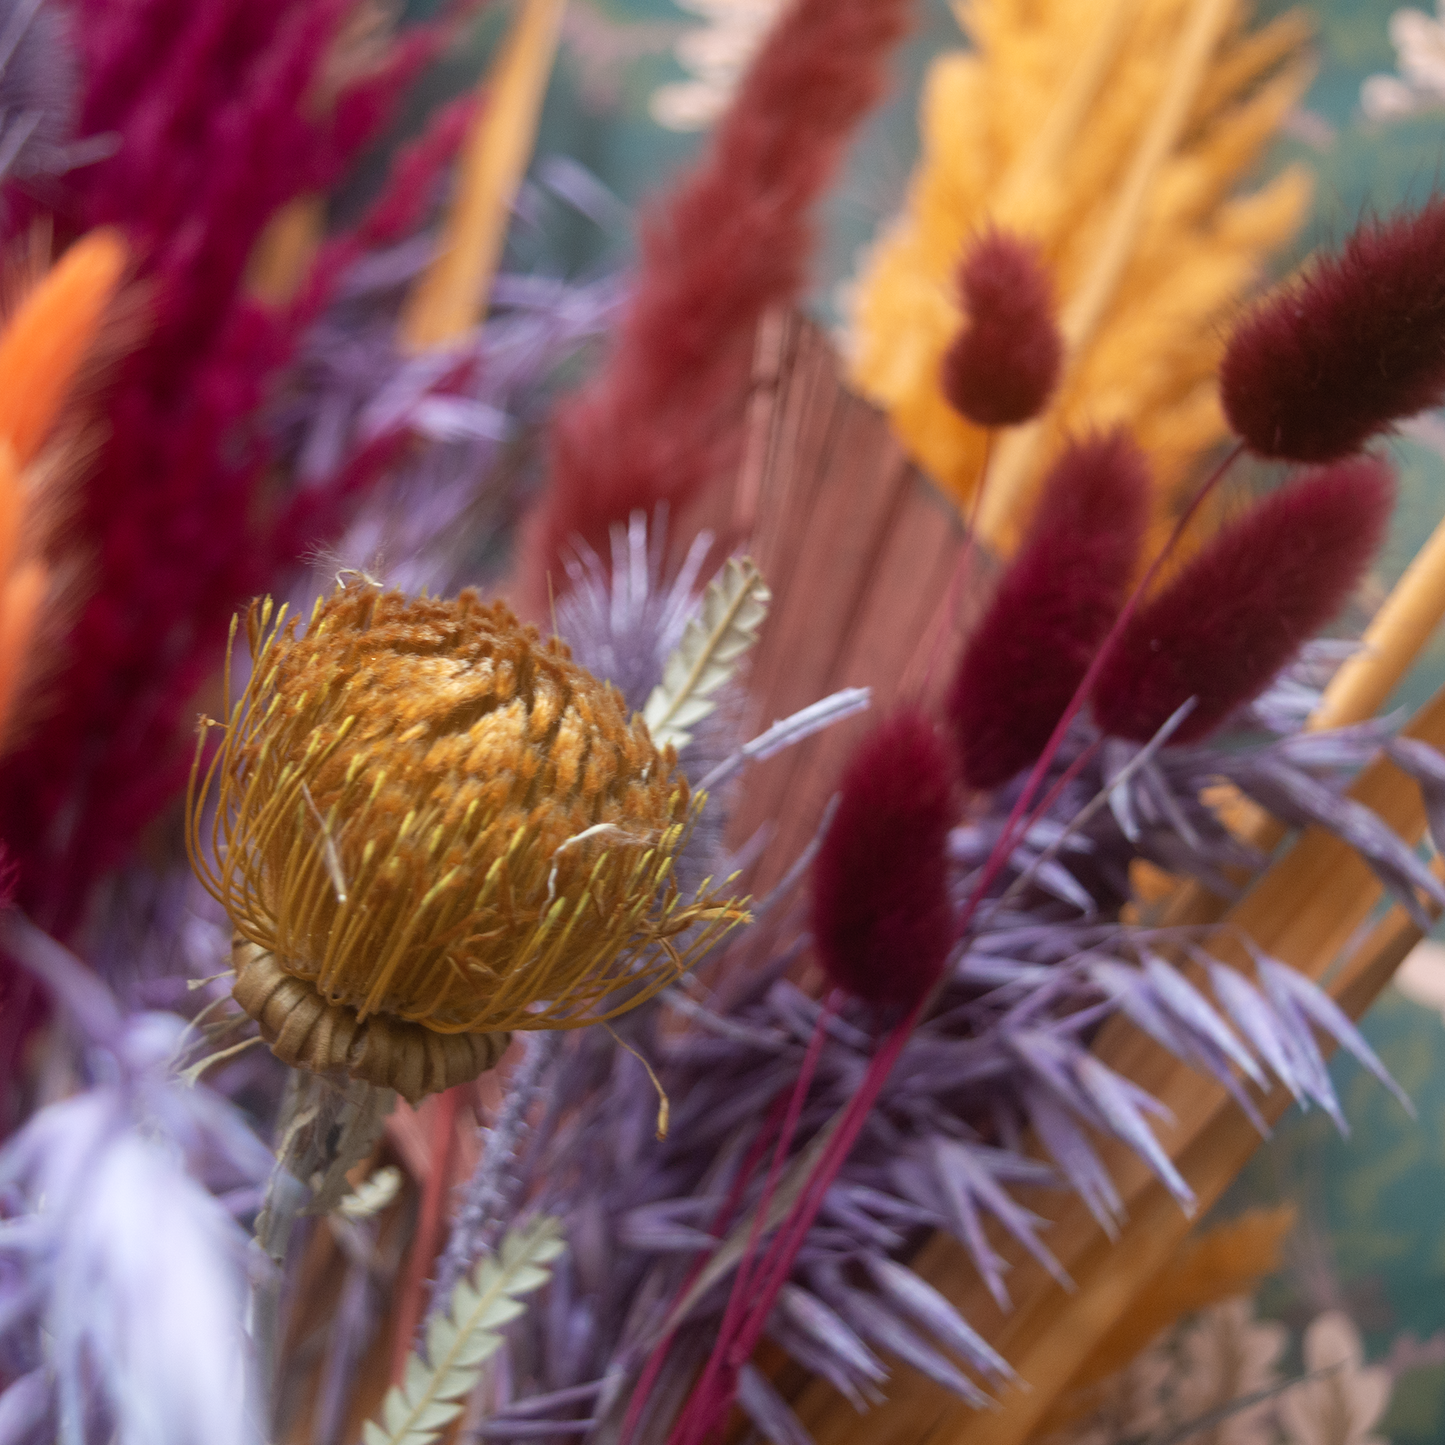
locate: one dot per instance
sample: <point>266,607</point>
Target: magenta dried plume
<point>1330,359</point>
<point>1005,361</point>
<point>881,916</point>
<point>1245,603</point>
<point>1052,609</point>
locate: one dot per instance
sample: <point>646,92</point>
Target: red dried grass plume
<point>730,240</point>
<point>881,916</point>
<point>1005,362</point>
<point>1245,603</point>
<point>1329,360</point>
<point>1052,609</point>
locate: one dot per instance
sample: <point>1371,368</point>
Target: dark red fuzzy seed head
<point>1052,609</point>
<point>1245,603</point>
<point>1329,360</point>
<point>1005,362</point>
<point>881,916</point>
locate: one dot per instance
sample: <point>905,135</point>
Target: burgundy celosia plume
<point>731,241</point>
<point>1245,603</point>
<point>1053,606</point>
<point>217,125</point>
<point>1005,362</point>
<point>881,916</point>
<point>1330,359</point>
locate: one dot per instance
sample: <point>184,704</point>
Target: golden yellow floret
<point>1113,135</point>
<point>431,818</point>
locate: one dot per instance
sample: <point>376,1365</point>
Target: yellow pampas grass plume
<point>1114,136</point>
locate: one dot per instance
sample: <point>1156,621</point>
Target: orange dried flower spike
<point>42,348</point>
<point>432,827</point>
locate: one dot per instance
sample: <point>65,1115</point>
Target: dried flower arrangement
<point>806,1048</point>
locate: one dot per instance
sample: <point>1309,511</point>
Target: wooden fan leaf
<point>725,627</point>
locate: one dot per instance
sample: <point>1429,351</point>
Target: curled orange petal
<point>48,336</point>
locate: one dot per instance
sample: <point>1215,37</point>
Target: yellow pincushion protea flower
<point>431,827</point>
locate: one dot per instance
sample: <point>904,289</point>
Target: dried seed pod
<point>431,825</point>
<point>1004,363</point>
<point>1245,603</point>
<point>1053,607</point>
<point>881,913</point>
<point>1355,344</point>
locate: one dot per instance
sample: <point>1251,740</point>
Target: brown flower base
<point>307,1032</point>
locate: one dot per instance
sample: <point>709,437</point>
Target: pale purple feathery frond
<point>39,96</point>
<point>623,621</point>
<point>1293,993</point>
<point>1293,796</point>
<point>770,1414</point>
<point>126,1255</point>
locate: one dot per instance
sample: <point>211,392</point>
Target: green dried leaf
<point>726,625</point>
<point>460,1341</point>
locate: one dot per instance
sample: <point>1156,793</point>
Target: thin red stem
<point>964,563</point>
<point>851,1125</point>
<point>696,1408</point>
<point>720,1223</point>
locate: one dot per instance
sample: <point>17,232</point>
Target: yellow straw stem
<point>1047,150</point>
<point>1392,641</point>
<point>1084,310</point>
<point>42,347</point>
<point>451,296</point>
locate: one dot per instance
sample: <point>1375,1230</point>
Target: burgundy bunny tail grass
<point>1005,362</point>
<point>730,242</point>
<point>1331,359</point>
<point>1052,609</point>
<point>1245,603</point>
<point>881,916</point>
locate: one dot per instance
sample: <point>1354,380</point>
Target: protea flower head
<point>432,827</point>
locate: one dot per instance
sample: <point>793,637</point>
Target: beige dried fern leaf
<point>725,627</point>
<point>460,1341</point>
